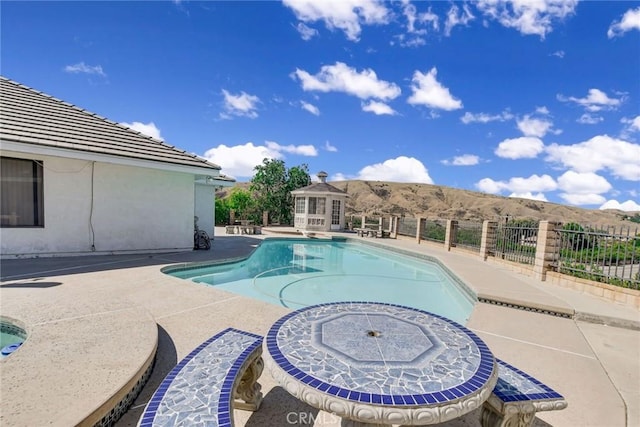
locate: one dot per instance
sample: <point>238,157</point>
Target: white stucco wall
<point>134,209</point>
<point>205,207</point>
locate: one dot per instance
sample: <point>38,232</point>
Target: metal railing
<point>516,242</point>
<point>607,254</point>
<point>407,226</point>
<point>433,230</point>
<point>467,234</point>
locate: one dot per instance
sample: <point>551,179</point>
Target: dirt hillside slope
<point>435,201</point>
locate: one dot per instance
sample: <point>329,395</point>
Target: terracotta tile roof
<point>31,117</point>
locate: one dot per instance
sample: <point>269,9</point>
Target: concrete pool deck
<point>93,322</point>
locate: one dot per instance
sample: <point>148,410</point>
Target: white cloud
<point>542,110</point>
<point>310,108</point>
<point>525,147</point>
<point>519,186</point>
<point>463,160</point>
<point>344,15</point>
<point>329,147</point>
<point>535,17</point>
<point>630,21</point>
<point>529,195</point>
<point>601,152</point>
<point>485,118</point>
<point>378,108</point>
<point>429,92</point>
<point>239,160</point>
<point>410,12</point>
<point>582,199</point>
<point>629,205</point>
<point>488,185</point>
<point>342,78</point>
<point>410,40</point>
<point>583,188</point>
<point>589,119</point>
<point>583,183</point>
<point>534,127</point>
<point>558,53</point>
<point>302,150</point>
<point>148,129</point>
<point>455,16</point>
<point>400,169</point>
<point>82,68</point>
<point>633,125</point>
<point>306,32</point>
<point>243,105</point>
<point>596,100</point>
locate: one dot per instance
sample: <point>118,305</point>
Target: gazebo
<point>319,206</point>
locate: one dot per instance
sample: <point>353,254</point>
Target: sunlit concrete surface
<point>93,321</point>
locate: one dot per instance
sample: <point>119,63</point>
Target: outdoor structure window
<point>22,193</point>
<point>299,205</point>
<point>317,205</point>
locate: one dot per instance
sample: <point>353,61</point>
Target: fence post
<point>450,234</point>
<point>488,240</point>
<point>545,248</point>
<point>394,227</point>
<point>419,223</point>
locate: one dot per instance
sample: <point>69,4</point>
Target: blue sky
<point>537,99</point>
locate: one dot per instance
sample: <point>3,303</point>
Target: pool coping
<point>150,280</point>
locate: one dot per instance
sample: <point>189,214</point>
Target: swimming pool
<point>297,273</point>
<point>11,337</point>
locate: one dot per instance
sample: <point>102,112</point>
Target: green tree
<point>272,185</point>
<point>242,202</point>
<point>222,211</point>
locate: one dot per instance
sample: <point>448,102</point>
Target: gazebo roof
<point>319,187</point>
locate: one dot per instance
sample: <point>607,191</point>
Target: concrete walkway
<point>93,321</point>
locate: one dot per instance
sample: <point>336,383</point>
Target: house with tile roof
<point>73,182</point>
<point>319,206</point>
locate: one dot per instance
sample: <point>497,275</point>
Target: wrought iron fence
<point>433,230</point>
<point>516,241</point>
<point>607,254</point>
<point>467,234</point>
<point>407,226</point>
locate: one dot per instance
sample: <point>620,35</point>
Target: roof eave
<point>43,150</point>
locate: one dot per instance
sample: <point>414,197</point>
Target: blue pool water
<point>297,273</point>
<point>11,336</point>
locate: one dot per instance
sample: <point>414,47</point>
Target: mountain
<point>375,198</point>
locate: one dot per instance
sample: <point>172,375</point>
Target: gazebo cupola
<point>319,206</point>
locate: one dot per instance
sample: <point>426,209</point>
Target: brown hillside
<point>375,198</point>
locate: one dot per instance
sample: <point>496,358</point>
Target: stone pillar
<point>488,240</point>
<point>419,226</point>
<point>364,220</point>
<point>545,248</point>
<point>232,216</point>
<point>265,218</point>
<point>450,234</point>
<point>393,232</point>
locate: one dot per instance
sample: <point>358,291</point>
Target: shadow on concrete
<point>30,268</point>
<point>166,360</point>
<point>279,408</point>
<point>35,284</point>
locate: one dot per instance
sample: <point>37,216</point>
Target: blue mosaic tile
<point>198,391</point>
<point>381,353</point>
<point>515,385</point>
